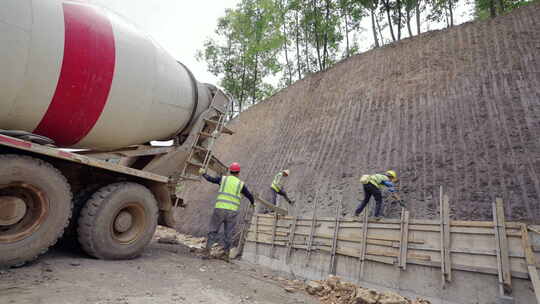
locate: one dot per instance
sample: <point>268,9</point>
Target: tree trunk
<point>306,44</point>
<point>417,17</point>
<point>254,92</point>
<point>345,16</point>
<point>286,46</point>
<point>243,81</point>
<point>387,8</point>
<point>375,39</point>
<point>379,28</point>
<point>492,11</point>
<point>298,46</point>
<point>409,22</point>
<point>399,20</point>
<point>316,32</point>
<point>451,11</point>
<point>501,7</point>
<point>325,45</point>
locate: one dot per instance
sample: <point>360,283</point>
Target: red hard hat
<point>235,167</point>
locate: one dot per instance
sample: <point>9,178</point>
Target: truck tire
<point>69,239</point>
<point>118,221</point>
<point>35,207</point>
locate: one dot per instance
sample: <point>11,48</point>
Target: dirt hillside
<point>458,108</point>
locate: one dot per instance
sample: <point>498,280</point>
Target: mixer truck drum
<point>35,206</point>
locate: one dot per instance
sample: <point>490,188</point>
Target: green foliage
<point>265,45</point>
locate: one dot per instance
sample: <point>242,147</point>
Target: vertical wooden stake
<point>529,257</point>
<point>447,240</point>
<point>274,226</point>
<point>443,256</point>
<point>292,231</point>
<point>364,240</point>
<point>332,268</point>
<point>312,231</point>
<point>404,240</point>
<point>446,263</point>
<point>257,235</point>
<point>503,260</point>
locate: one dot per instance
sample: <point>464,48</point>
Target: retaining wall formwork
<point>466,262</point>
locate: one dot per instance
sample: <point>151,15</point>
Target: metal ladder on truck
<point>201,152</point>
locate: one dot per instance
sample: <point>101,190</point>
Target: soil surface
<point>458,108</point>
<point>163,274</point>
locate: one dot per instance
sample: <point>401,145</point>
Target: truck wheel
<point>35,206</point>
<point>118,221</point>
<point>80,198</point>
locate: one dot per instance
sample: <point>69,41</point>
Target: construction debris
<point>334,291</point>
<point>166,235</point>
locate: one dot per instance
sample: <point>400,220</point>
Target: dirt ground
<point>163,274</point>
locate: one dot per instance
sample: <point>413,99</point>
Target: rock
<point>313,287</point>
<point>366,296</point>
<point>392,298</point>
<point>333,281</point>
<point>420,301</point>
<point>289,289</point>
<point>168,240</point>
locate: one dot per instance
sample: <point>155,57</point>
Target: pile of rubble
<point>334,291</point>
<point>166,235</point>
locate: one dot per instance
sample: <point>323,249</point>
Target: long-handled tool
<point>397,199</point>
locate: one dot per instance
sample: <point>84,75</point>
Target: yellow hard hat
<point>286,172</point>
<point>392,174</point>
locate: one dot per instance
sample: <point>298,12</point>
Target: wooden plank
<point>291,240</point>
<point>531,263</point>
<point>502,246</point>
<point>273,235</point>
<point>269,205</point>
<point>312,230</point>
<point>442,243</point>
<point>498,250</point>
<point>447,240</point>
<point>404,244</point>
<point>332,267</point>
<point>364,240</point>
<point>531,228</point>
<point>469,268</point>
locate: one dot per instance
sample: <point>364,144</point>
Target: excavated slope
<point>458,108</point>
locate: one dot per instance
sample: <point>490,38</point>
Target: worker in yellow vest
<point>226,206</point>
<point>372,187</point>
<point>278,188</point>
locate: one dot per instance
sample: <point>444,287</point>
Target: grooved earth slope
<point>458,108</point>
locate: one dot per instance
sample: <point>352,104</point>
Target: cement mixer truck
<point>83,94</point>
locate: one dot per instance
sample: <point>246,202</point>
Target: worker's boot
<point>225,256</point>
<point>204,253</point>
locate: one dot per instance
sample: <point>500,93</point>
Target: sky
<point>182,26</point>
<point>179,26</point>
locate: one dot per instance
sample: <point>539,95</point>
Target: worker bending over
<point>226,206</point>
<point>372,187</point>
<point>278,188</point>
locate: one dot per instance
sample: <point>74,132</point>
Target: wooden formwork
<point>497,248</point>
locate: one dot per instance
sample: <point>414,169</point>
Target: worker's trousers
<point>228,219</point>
<point>371,190</point>
<point>275,193</point>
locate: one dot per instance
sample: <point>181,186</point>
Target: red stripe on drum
<point>85,78</point>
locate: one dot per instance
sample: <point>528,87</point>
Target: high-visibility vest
<point>277,182</point>
<point>377,179</point>
<point>229,193</point>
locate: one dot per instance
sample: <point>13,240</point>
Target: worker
<point>372,187</point>
<point>226,206</point>
<point>277,187</point>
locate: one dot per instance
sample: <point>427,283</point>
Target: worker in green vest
<point>372,187</point>
<point>277,187</point>
<point>226,206</point>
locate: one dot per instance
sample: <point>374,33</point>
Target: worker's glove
<point>202,171</point>
<point>392,190</point>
